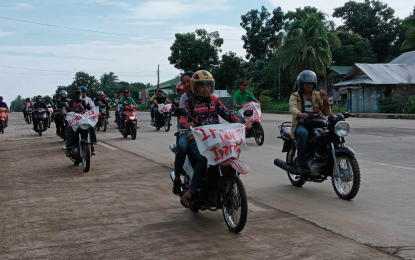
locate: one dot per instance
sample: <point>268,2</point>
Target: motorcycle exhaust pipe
<point>280,163</point>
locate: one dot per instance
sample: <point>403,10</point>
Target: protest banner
<point>90,117</point>
<point>164,108</point>
<point>256,109</point>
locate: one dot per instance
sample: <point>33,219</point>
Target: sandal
<point>176,186</point>
<point>186,201</point>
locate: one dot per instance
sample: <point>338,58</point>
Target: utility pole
<point>158,76</point>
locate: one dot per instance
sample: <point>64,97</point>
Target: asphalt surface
<point>125,209</point>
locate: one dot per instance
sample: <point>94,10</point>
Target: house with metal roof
<point>367,84</point>
<point>334,75</point>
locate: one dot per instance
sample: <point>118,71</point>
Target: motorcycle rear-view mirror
<point>181,111</point>
<point>248,113</point>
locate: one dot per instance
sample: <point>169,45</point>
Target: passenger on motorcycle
<point>176,102</point>
<point>305,100</point>
<point>88,100</point>
<point>243,96</point>
<point>206,109</point>
<point>48,101</point>
<point>26,106</point>
<point>126,100</point>
<point>101,99</point>
<point>39,104</point>
<point>3,104</point>
<point>79,106</point>
<point>158,99</point>
<point>188,92</point>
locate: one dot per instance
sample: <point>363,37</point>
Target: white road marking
<point>255,208</point>
<point>109,147</point>
<point>405,168</point>
<point>383,164</point>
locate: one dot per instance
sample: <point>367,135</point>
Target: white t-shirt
<point>88,100</point>
<point>308,106</point>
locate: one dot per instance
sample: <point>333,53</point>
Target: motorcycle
<point>82,124</point>
<point>220,187</point>
<point>257,131</point>
<point>42,120</point>
<point>60,123</point>
<point>102,122</point>
<point>164,117</point>
<point>129,127</point>
<point>49,112</point>
<point>327,154</point>
<point>3,119</point>
<point>29,115</point>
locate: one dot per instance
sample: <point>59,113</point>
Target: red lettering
<point>212,131</point>
<point>205,136</point>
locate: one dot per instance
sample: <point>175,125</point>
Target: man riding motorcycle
<point>26,106</point>
<point>305,100</point>
<point>126,100</point>
<point>101,99</point>
<point>117,108</point>
<point>3,104</point>
<point>79,106</point>
<point>60,120</point>
<point>48,101</point>
<point>159,99</point>
<point>88,100</point>
<point>243,96</point>
<point>39,104</point>
<point>203,109</point>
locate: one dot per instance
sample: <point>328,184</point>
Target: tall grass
<point>275,106</point>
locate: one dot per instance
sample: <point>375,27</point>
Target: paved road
<point>382,213</point>
<point>124,209</point>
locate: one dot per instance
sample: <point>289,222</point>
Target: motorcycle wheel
<point>49,121</point>
<point>157,127</point>
<point>104,127</point>
<point>86,157</point>
<point>295,180</point>
<point>98,125</point>
<point>166,124</point>
<point>29,120</point>
<point>133,131</point>
<point>77,160</point>
<point>347,190</point>
<point>3,125</point>
<point>40,128</point>
<point>236,211</point>
<point>259,134</point>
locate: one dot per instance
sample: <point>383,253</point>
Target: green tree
<point>261,39</point>
<point>372,20</point>
<point>17,104</point>
<point>353,49</point>
<point>108,82</point>
<point>307,47</point>
<point>230,69</point>
<point>84,79</point>
<point>196,51</point>
<point>409,25</point>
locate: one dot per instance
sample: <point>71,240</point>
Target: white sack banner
<point>90,117</point>
<point>220,142</point>
<point>255,107</point>
<point>164,108</point>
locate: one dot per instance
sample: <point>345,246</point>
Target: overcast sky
<point>34,58</point>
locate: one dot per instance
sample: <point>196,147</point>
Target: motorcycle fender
<point>346,150</point>
<point>286,147</point>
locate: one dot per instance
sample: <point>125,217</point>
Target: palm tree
<point>409,25</point>
<point>107,81</point>
<point>307,46</point>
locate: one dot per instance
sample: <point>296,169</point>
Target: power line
<point>64,27</point>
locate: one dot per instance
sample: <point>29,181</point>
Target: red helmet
<point>179,86</point>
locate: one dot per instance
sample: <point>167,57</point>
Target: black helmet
<point>306,76</point>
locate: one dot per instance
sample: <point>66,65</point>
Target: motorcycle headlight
<point>341,129</point>
<point>84,126</point>
<point>132,117</point>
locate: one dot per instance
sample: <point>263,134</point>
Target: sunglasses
<point>308,83</point>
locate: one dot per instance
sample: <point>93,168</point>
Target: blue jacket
<point>3,104</point>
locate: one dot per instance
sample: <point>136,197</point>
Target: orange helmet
<point>202,77</point>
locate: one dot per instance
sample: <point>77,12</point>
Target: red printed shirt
<point>206,112</point>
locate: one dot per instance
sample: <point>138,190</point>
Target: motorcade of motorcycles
<point>164,111</point>
<point>327,154</point>
<point>42,120</point>
<point>221,187</point>
<point>102,121</point>
<point>3,119</point>
<point>29,115</point>
<point>129,126</point>
<point>257,131</point>
<point>49,113</point>
<point>81,124</point>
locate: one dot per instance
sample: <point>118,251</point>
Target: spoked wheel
<point>104,127</point>
<point>295,180</point>
<point>235,212</point>
<point>347,184</point>
<point>166,124</point>
<point>259,134</point>
<point>86,157</point>
<point>133,131</point>
<point>40,128</point>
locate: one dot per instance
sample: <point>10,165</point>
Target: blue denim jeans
<point>301,134</point>
<point>156,114</point>
<point>121,119</point>
<point>182,146</point>
<point>200,168</point>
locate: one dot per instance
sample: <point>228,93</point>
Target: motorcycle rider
<point>206,108</point>
<point>54,100</point>
<point>305,100</point>
<point>39,104</point>
<point>188,92</point>
<point>126,100</point>
<point>88,100</point>
<point>79,106</point>
<point>3,104</point>
<point>26,106</point>
<point>48,101</point>
<point>176,101</point>
<point>243,96</point>
<point>116,103</point>
<point>158,99</point>
<point>101,99</point>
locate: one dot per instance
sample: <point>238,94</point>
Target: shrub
<point>265,99</point>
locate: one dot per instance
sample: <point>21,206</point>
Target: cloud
<point>17,6</point>
<point>5,33</point>
<point>106,2</point>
